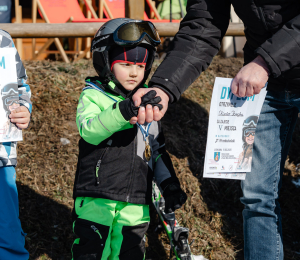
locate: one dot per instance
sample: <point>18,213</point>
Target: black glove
<point>129,110</point>
<point>174,197</point>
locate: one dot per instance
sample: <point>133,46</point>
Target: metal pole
<point>170,11</point>
<point>181,8</point>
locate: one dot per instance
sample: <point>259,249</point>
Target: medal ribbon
<point>145,132</point>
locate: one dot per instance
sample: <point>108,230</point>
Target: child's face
<point>250,139</point>
<point>129,75</point>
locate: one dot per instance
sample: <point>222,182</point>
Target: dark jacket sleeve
<point>164,172</point>
<point>281,51</point>
<point>194,46</point>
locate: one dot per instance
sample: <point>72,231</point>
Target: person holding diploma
<point>117,161</point>
<point>271,53</point>
<point>12,237</point>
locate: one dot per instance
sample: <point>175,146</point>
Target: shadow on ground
<point>47,223</point>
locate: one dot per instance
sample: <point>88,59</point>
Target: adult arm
<point>275,56</point>
<point>164,173</point>
<point>281,51</point>
<point>196,43</point>
<point>165,177</point>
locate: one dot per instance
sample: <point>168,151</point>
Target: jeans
<point>273,135</point>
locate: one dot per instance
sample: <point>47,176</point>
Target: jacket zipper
<point>262,17</point>
<point>96,230</point>
<point>131,170</point>
<point>98,166</point>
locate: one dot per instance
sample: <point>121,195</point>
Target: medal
<point>145,133</point>
<point>147,152</point>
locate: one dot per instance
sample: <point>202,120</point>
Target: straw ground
<point>46,169</point>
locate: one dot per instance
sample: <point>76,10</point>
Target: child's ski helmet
<point>9,95</point>
<point>249,126</point>
<point>123,32</point>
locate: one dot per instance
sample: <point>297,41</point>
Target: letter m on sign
<point>2,62</point>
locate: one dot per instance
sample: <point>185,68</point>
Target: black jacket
<point>272,29</point>
<point>116,168</point>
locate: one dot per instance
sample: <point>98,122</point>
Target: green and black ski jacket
<point>111,162</point>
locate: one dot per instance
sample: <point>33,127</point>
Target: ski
<point>177,235</point>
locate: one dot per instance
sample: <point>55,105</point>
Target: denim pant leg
<point>262,220</point>
<point>12,237</point>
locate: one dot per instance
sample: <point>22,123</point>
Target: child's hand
<point>20,116</point>
<point>174,197</point>
<point>129,111</point>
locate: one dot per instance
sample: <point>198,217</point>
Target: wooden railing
<point>75,30</point>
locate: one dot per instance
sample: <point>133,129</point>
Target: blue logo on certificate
<point>217,156</point>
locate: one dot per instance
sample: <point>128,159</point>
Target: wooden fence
<point>75,30</point>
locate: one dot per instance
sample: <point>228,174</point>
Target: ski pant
<point>12,237</point>
<point>109,229</point>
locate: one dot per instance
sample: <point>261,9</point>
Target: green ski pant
<point>109,229</point>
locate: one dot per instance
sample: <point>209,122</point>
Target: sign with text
<point>231,130</point>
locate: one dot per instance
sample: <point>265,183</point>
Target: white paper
<point>9,95</point>
<point>231,130</point>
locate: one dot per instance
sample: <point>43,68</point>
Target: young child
<point>117,160</point>
<point>12,237</point>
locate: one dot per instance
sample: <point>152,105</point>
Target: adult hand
<point>251,78</point>
<point>150,113</point>
<point>20,116</point>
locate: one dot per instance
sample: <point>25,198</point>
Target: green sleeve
<point>96,117</point>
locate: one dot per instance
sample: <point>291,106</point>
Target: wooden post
<point>153,8</point>
<point>56,40</point>
<point>152,15</point>
<point>34,14</point>
<point>107,10</point>
<point>88,40</point>
<point>18,13</point>
<point>134,9</point>
<point>100,9</point>
<point>90,7</point>
<point>66,30</point>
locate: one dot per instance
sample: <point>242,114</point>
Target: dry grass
<point>46,169</point>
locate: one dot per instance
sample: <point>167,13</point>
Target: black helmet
<point>9,95</point>
<point>249,126</point>
<point>122,32</point>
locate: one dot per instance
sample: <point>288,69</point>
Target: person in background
<point>5,11</point>
<point>12,237</point>
<point>271,53</point>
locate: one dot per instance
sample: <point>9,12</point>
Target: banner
<point>9,95</point>
<point>231,131</point>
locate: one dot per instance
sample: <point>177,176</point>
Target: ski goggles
<point>249,132</point>
<point>132,33</point>
<point>11,100</point>
<point>251,120</point>
<point>128,35</point>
